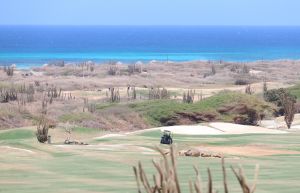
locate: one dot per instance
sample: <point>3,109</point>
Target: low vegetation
<point>288,103</point>
<point>9,70</point>
<point>76,117</point>
<point>225,106</point>
<point>295,91</point>
<point>42,130</point>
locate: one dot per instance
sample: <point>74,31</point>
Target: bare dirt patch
<point>251,151</point>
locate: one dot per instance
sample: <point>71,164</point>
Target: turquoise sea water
<point>37,45</point>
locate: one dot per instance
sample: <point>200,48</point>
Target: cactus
<point>114,95</point>
<point>157,93</point>
<point>189,96</point>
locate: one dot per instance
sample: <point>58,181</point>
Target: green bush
<point>273,96</point>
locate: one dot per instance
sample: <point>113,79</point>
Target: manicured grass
<point>16,134</point>
<point>76,169</point>
<point>295,90</point>
<point>84,130</point>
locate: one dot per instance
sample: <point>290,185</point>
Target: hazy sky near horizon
<point>149,12</point>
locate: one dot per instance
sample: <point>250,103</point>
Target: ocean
<point>28,46</point>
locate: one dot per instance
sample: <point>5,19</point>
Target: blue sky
<point>149,12</point>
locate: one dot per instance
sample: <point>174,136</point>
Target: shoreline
<point>30,66</point>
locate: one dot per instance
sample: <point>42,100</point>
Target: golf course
<point>105,165</point>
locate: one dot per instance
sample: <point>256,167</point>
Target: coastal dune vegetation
<point>108,96</point>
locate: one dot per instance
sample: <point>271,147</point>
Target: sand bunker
<point>219,129</point>
<point>230,128</point>
<point>192,130</point>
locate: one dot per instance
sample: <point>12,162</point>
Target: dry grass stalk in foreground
<point>166,180</point>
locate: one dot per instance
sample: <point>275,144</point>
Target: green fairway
<point>106,164</point>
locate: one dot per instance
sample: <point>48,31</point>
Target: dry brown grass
<point>66,87</point>
<point>182,74</point>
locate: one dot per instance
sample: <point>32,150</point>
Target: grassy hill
<point>295,90</point>
<point>220,106</point>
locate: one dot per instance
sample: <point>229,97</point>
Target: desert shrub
<point>213,69</point>
<point>30,93</point>
<point>91,107</point>
<point>113,69</point>
<point>8,94</point>
<point>134,68</point>
<point>53,92</point>
<point>234,68</point>
<point>9,70</point>
<point>42,130</point>
<point>166,179</point>
<point>92,68</point>
<point>249,90</point>
<point>274,96</point>
<point>37,83</point>
<point>17,93</point>
<point>245,69</point>
<point>288,104</point>
<point>206,74</point>
<point>241,82</point>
